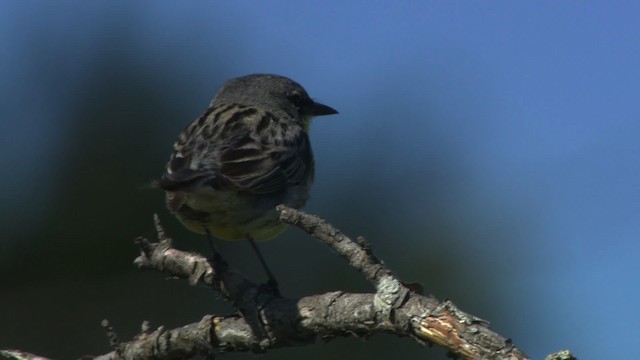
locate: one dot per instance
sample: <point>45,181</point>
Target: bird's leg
<point>272,283</point>
<point>219,263</point>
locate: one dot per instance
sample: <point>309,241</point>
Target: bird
<point>245,155</point>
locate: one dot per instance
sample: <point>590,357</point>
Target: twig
<point>561,355</point>
<point>19,355</point>
<point>358,254</point>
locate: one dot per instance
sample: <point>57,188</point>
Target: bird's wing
<point>239,148</point>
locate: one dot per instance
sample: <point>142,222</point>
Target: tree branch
<point>267,321</point>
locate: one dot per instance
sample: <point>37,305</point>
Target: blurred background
<point>488,150</point>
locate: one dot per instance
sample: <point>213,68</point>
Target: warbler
<point>247,153</point>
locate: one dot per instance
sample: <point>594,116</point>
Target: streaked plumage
<point>245,155</point>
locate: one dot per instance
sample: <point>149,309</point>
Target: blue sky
<point>529,108</point>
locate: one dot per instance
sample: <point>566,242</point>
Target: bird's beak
<point>318,109</point>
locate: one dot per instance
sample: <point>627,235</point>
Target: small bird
<point>247,153</point>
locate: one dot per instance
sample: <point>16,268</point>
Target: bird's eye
<point>296,99</point>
